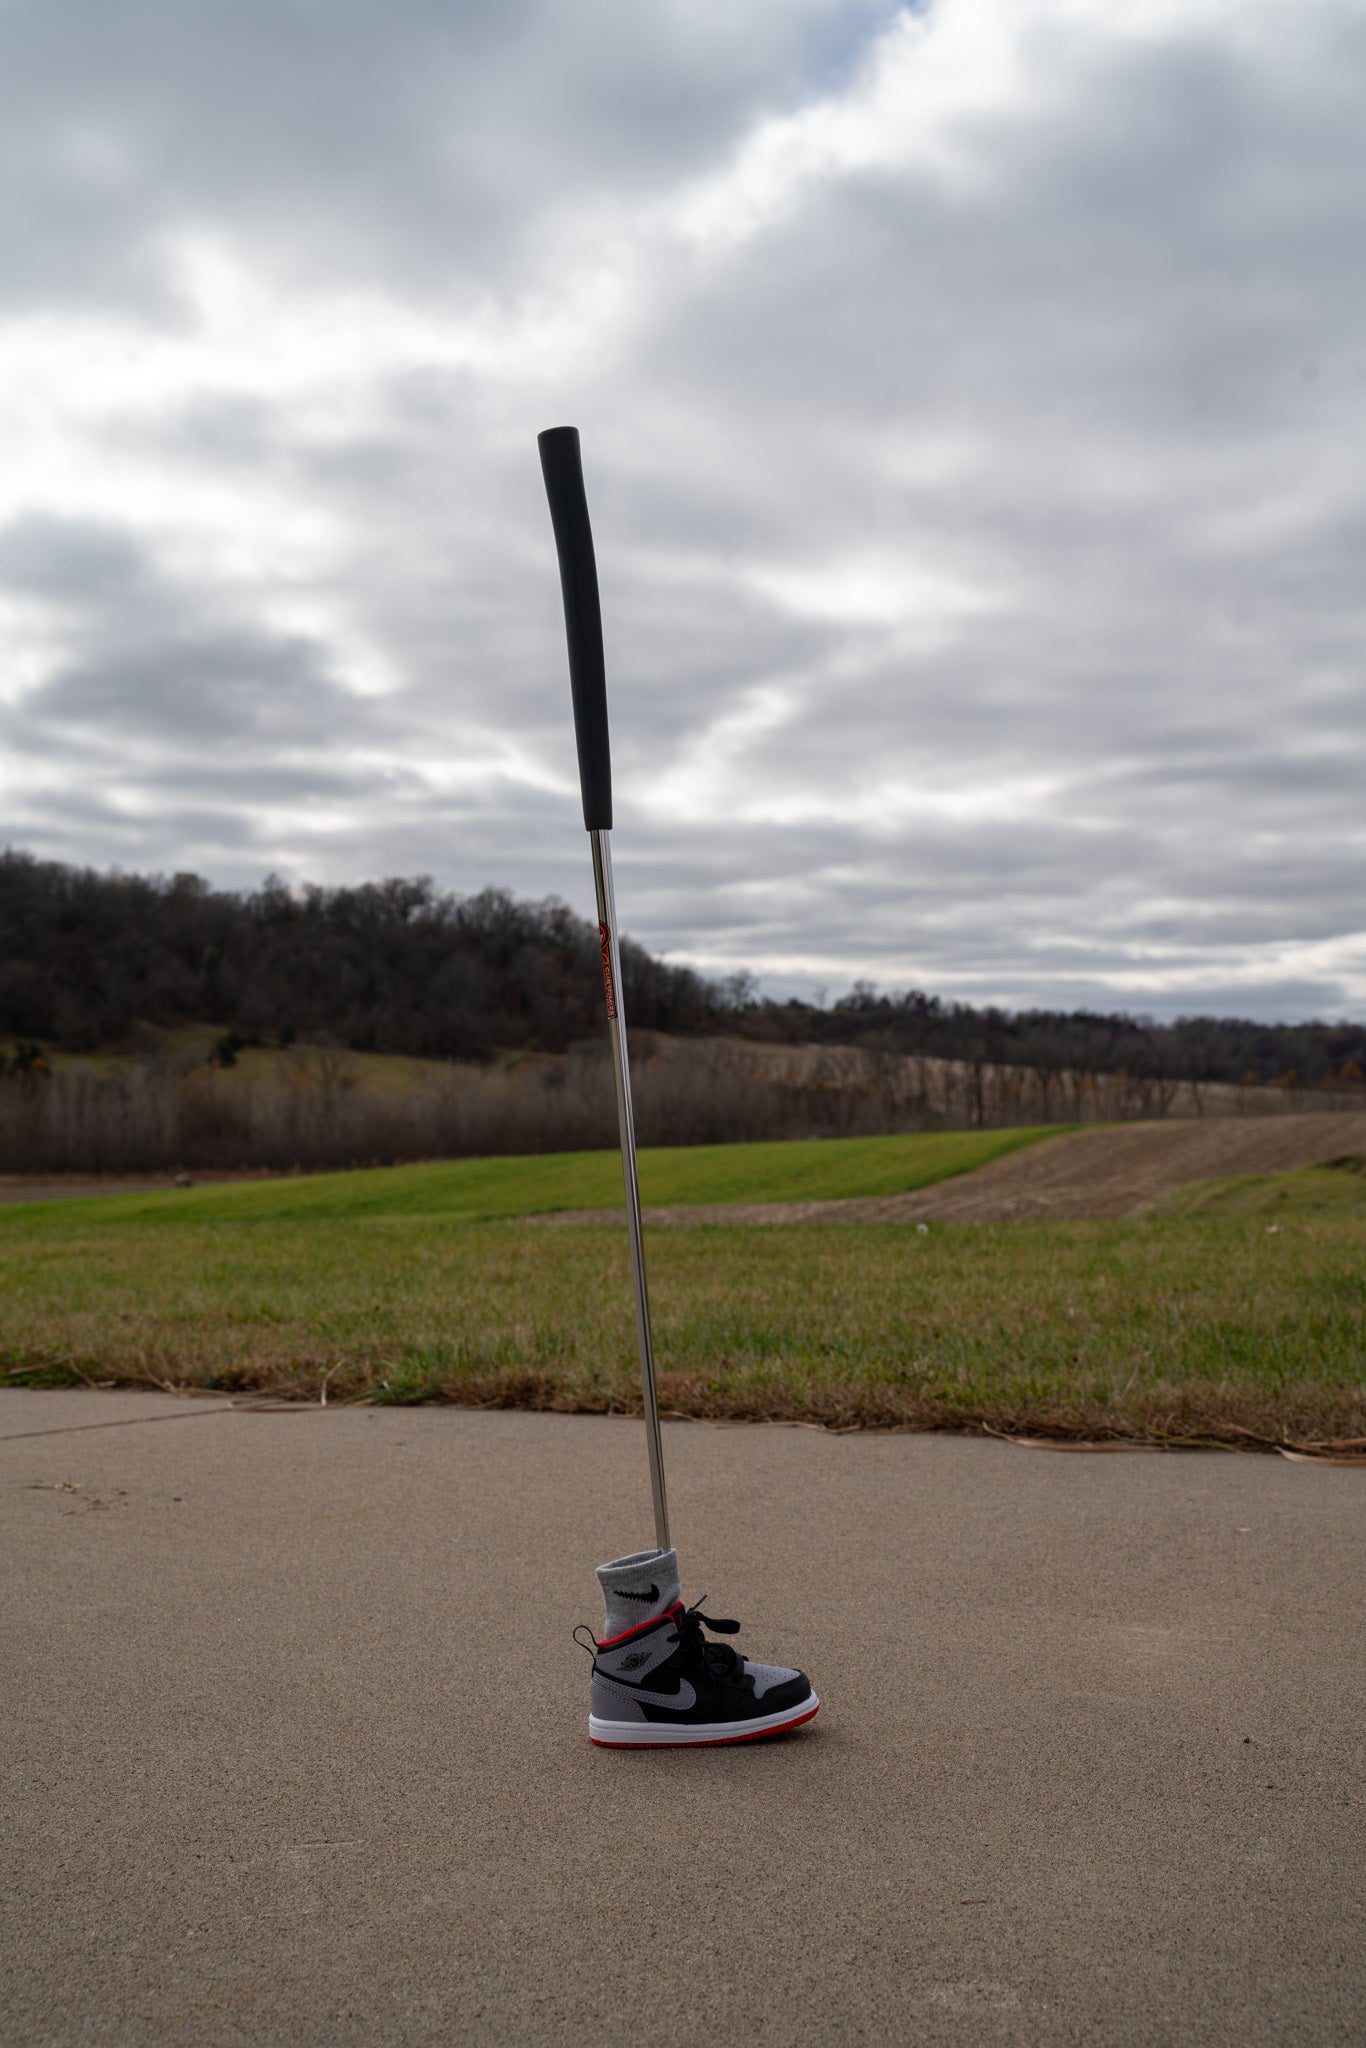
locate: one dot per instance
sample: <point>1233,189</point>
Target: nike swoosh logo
<point>653,1594</point>
<point>681,1700</point>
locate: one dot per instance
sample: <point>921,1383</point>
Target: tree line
<point>391,966</point>
<point>1195,1049</point>
<point>401,966</point>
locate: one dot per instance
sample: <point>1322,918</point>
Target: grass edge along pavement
<point>1197,1327</point>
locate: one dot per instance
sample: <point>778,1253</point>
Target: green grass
<point>1338,1189</point>
<point>374,1072</point>
<point>1202,1327</point>
<point>487,1190</point>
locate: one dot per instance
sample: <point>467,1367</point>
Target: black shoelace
<point>717,1660</point>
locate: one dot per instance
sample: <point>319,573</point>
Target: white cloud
<point>970,399</point>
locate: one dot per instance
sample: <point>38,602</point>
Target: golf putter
<point>562,467</point>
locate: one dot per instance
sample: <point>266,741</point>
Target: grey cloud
<point>1138,329</point>
<point>153,660</point>
<point>68,561</point>
<point>431,139</point>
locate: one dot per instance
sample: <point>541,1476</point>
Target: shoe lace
<point>716,1659</point>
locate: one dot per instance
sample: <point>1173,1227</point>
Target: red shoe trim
<point>713,1742</point>
<point>638,1629</point>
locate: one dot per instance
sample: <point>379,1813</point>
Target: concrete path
<point>295,1754</point>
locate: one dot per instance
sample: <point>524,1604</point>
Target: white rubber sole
<point>660,1735</point>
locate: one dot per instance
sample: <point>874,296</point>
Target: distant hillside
<point>398,966</point>
<point>393,966</point>
<point>1223,1049</point>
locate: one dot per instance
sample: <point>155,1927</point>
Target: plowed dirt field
<point>1113,1170</point>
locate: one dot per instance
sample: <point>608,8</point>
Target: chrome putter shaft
<point>562,465</point>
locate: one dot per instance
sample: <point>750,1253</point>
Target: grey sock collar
<point>637,1588</point>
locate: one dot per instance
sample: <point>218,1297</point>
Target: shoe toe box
<point>776,1686</point>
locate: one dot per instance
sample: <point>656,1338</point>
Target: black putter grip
<point>562,467</point>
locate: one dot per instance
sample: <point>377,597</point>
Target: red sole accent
<point>715,1741</point>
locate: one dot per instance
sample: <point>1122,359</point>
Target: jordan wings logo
<point>653,1594</point>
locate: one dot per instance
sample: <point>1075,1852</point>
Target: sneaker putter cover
<point>657,1681</point>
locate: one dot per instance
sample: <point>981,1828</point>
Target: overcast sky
<point>973,413</point>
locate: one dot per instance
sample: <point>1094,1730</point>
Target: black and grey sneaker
<point>662,1683</point>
